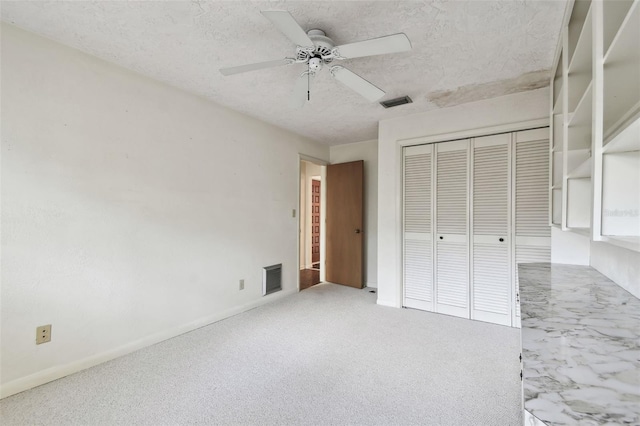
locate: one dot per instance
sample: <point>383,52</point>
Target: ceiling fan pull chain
<point>309,83</point>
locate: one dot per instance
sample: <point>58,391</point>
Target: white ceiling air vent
<point>395,102</point>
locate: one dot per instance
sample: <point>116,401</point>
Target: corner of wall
<point>388,303</point>
<point>619,264</point>
<point>569,247</point>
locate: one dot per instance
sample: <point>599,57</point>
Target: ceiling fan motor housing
<point>323,44</point>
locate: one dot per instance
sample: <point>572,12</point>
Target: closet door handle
<point>501,239</point>
<point>441,237</point>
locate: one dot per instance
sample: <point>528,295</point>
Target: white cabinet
<point>488,198</point>
<point>595,119</point>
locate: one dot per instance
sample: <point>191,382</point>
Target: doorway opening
<point>311,220</point>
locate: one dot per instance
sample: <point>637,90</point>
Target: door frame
<point>323,177</point>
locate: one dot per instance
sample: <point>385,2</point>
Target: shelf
<point>580,68</point>
<point>631,243</point>
<point>622,73</point>
<point>582,114</point>
<point>579,14</point>
<point>581,230</point>
<point>557,107</point>
<point>626,120</point>
<point>626,140</point>
<point>558,125</point>
<point>580,123</point>
<point>581,60</point>
<point>557,82</point>
<point>576,157</point>
<point>614,13</point>
<point>582,171</point>
<point>579,138</point>
<point>598,101</point>
<point>556,169</point>
<point>621,194</point>
<point>579,203</point>
<point>556,206</point>
<point>578,86</point>
<point>626,37</point>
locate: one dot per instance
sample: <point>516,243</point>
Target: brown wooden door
<point>315,224</point>
<point>344,233</point>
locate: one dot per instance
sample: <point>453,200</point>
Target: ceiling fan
<point>316,50</point>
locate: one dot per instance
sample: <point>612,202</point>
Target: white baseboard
<point>372,285</point>
<point>53,373</point>
<point>386,303</point>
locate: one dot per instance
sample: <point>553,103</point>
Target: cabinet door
<point>452,228</point>
<point>417,195</point>
<point>491,298</point>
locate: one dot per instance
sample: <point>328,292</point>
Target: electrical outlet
<point>43,334</point>
<point>241,284</point>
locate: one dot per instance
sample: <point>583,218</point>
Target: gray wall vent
<point>395,102</point>
<point>271,279</point>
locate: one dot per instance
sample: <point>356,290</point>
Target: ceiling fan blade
<point>356,83</point>
<point>288,26</point>
<point>253,67</point>
<point>375,46</point>
<point>301,90</point>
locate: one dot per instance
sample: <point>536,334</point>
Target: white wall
<point>130,209</point>
<point>367,151</point>
<point>569,247</point>
<point>621,265</point>
<point>472,117</point>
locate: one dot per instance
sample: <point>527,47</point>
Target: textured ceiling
<point>462,51</point>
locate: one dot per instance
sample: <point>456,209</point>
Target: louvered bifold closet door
<point>491,299</point>
<point>418,259</point>
<point>532,230</point>
<point>452,227</point>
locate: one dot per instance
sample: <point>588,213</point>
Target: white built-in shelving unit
<point>595,123</point>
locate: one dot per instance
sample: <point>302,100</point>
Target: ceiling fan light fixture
<point>315,64</point>
<point>396,102</point>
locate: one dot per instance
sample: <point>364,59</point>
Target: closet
<point>472,210</point>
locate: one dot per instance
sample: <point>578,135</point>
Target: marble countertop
<point>580,346</point>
